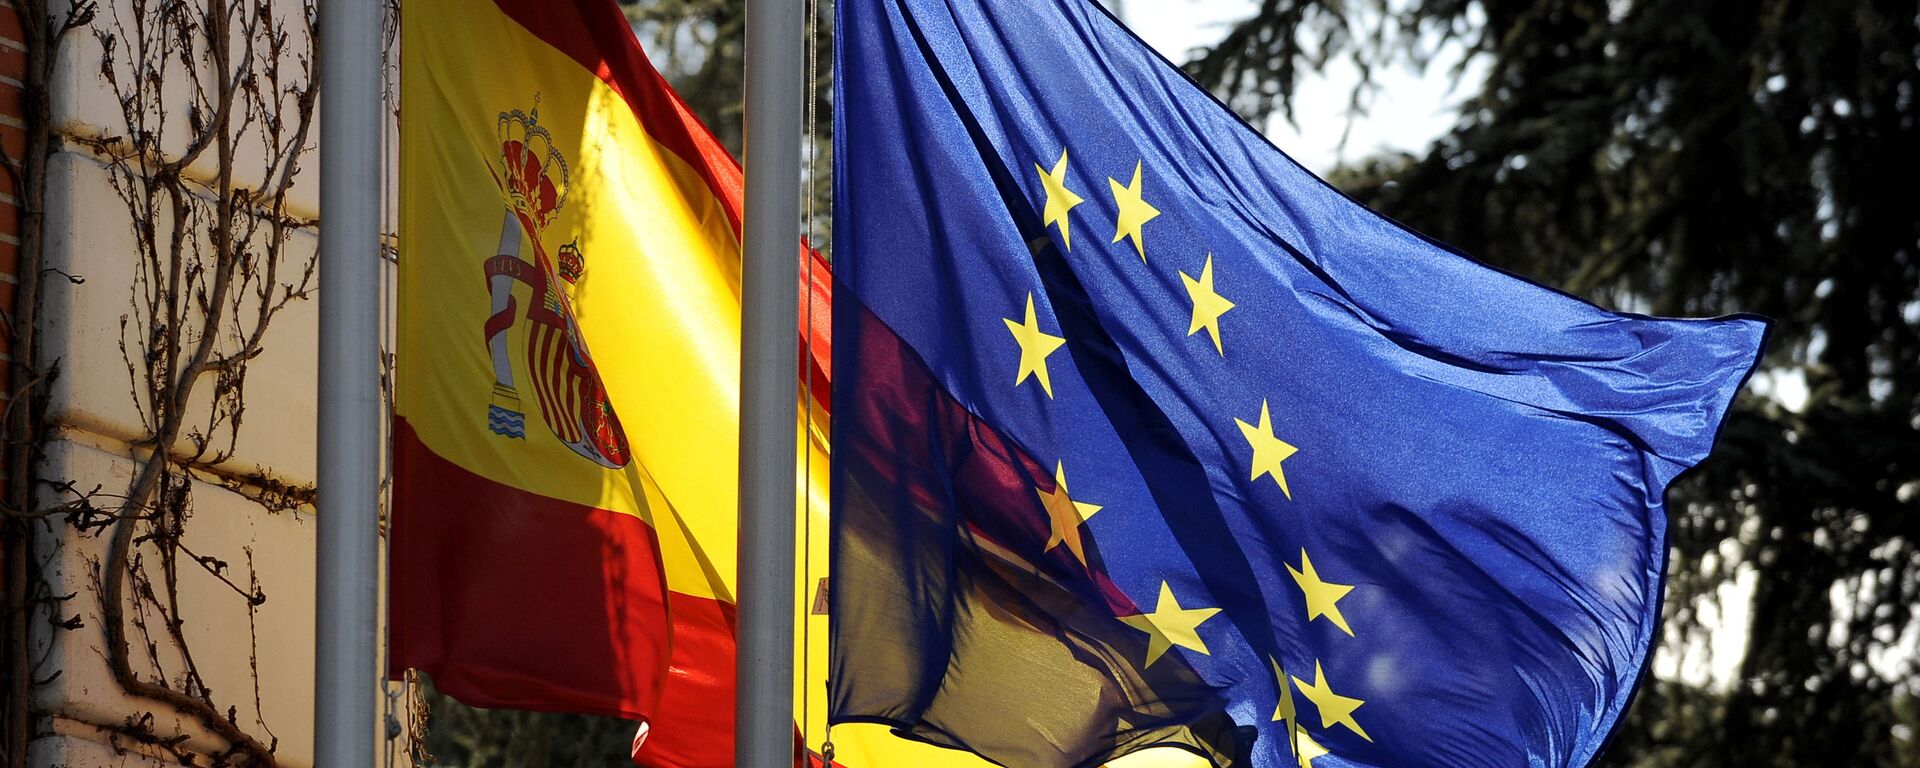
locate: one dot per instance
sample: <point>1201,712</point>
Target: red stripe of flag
<point>518,600</point>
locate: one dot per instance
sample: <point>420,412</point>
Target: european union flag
<point>1144,435</point>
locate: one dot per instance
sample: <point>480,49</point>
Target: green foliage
<point>459,736</point>
<point>698,45</point>
<point>1698,158</point>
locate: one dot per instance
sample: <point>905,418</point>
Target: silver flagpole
<point>349,421</point>
<point>769,354</point>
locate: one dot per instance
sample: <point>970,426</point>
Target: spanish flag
<point>566,388</point>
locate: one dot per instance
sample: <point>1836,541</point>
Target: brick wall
<point>13,137</point>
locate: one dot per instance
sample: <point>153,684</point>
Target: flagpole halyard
<point>812,132</point>
<point>769,350</point>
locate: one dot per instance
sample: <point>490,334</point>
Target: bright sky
<point>1408,112</point>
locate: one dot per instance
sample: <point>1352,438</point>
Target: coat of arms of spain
<point>567,387</point>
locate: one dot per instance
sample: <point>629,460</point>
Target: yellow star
<point>1323,598</point>
<point>1034,348</point>
<point>1268,451</point>
<point>1059,198</point>
<point>1170,625</point>
<point>1285,711</point>
<point>1134,212</point>
<point>1303,746</point>
<point>1334,708</point>
<point>1065,514</point>
<point>1208,305</point>
<point>1306,749</point>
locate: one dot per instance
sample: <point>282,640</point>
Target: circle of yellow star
<point>1034,348</point>
<point>1268,451</point>
<point>1170,625</point>
<point>1334,708</point>
<point>1134,211</point>
<point>1323,598</point>
<point>1065,514</point>
<point>1208,305</point>
<point>1060,200</point>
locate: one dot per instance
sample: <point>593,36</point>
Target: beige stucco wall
<point>260,664</point>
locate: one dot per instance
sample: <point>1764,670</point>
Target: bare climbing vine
<point>217,100</point>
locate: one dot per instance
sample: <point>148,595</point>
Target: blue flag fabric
<point>1115,374</point>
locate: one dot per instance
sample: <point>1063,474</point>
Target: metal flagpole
<point>349,420</point>
<point>769,350</point>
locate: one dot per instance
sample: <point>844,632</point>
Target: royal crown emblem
<point>567,387</point>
